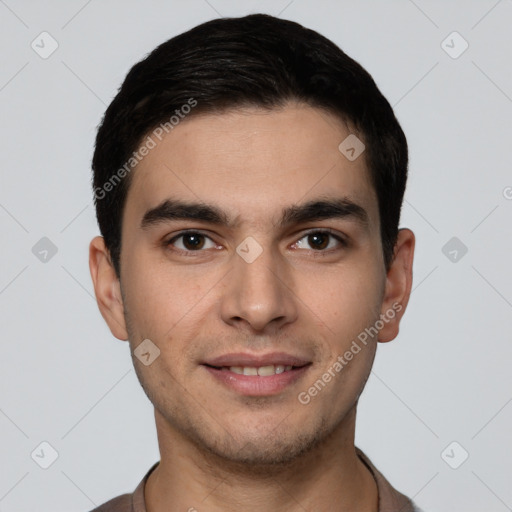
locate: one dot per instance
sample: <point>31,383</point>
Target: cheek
<point>346,299</point>
<point>162,299</point>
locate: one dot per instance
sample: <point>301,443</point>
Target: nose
<point>259,293</point>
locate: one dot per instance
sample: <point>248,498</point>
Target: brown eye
<point>318,240</point>
<point>191,241</point>
<point>321,240</point>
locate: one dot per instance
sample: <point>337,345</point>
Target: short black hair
<point>255,60</point>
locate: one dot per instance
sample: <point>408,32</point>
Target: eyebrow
<point>315,210</point>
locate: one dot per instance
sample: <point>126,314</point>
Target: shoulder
<point>122,503</point>
<point>390,499</point>
<point>129,502</point>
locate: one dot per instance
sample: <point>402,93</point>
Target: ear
<point>107,288</point>
<point>398,286</point>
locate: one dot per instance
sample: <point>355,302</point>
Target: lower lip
<point>254,385</point>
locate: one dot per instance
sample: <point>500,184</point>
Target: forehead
<point>252,163</point>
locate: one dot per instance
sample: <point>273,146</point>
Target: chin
<point>262,452</point>
<point>262,455</point>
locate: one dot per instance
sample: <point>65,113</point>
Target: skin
<point>221,451</point>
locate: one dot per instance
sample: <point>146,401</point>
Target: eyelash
<point>317,252</point>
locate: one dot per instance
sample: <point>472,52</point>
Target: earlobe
<point>107,288</point>
<point>398,286</point>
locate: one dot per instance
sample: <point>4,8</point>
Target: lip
<point>255,385</point>
<point>246,359</point>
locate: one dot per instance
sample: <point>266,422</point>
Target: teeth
<point>266,370</point>
<point>262,371</point>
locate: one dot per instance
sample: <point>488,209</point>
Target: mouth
<point>260,371</point>
<point>252,375</point>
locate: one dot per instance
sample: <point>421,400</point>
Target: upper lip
<point>257,360</point>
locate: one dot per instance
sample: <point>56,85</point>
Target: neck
<point>330,477</point>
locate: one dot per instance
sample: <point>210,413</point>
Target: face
<point>251,259</point>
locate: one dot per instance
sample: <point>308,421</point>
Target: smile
<point>262,371</point>
<point>265,380</point>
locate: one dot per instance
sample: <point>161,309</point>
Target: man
<point>248,179</point>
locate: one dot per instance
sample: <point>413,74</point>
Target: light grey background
<point>65,379</point>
